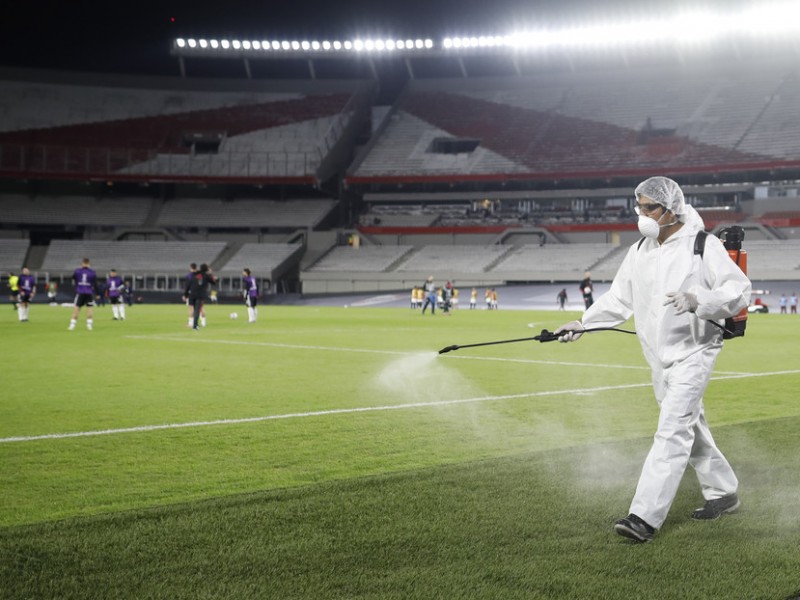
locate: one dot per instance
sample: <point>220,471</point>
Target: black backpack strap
<point>700,243</point>
<point>641,241</point>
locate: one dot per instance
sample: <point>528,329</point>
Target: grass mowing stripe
<point>392,352</point>
<point>364,409</point>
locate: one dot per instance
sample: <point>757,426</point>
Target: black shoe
<point>634,528</point>
<point>714,509</point>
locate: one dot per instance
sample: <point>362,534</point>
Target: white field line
<point>370,351</point>
<point>366,409</point>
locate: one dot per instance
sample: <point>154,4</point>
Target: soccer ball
<point>234,316</point>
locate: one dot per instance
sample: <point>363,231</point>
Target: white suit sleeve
<point>616,305</point>
<point>728,290</point>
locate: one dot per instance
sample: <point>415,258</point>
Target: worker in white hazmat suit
<point>672,293</point>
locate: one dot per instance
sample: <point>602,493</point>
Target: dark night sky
<point>134,37</point>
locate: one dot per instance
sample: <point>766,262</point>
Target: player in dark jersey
<point>85,280</point>
<point>189,276</point>
<point>196,292</point>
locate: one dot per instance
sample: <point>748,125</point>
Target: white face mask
<point>650,228</point>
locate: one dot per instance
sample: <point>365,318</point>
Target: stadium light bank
<point>685,28</point>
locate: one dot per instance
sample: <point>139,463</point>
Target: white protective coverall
<point>681,351</point>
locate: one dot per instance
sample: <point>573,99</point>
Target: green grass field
<point>332,453</point>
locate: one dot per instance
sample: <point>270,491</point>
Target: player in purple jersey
<point>115,287</point>
<point>85,282</point>
<point>27,290</point>
<point>250,293</point>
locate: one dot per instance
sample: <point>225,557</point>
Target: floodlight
<point>276,45</point>
<point>326,45</point>
<point>390,44</point>
<point>192,43</point>
<point>358,45</point>
<point>180,43</point>
<point>286,46</point>
<point>348,45</point>
<point>315,45</point>
<point>236,44</point>
<point>214,44</point>
<point>337,45</point>
<point>418,44</point>
<point>295,45</point>
<point>246,45</point>
<point>225,44</point>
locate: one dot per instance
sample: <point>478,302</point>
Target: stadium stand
<point>561,258</point>
<point>74,210</point>
<point>781,218</point>
<point>571,143</point>
<point>374,259</point>
<point>773,259</point>
<point>130,256</point>
<point>616,122</point>
<point>164,129</point>
<point>298,213</point>
<point>12,254</point>
<point>454,259</point>
<point>262,259</point>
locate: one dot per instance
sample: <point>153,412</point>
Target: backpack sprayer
<point>732,238</point>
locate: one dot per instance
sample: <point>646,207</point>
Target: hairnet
<point>664,191</point>
<point>669,194</point>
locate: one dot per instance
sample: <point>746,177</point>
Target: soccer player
<point>85,280</point>
<point>115,288</point>
<point>27,290</point>
<point>250,291</point>
<point>189,276</point>
<point>196,292</point>
<point>13,288</point>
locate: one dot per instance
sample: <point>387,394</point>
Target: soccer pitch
<point>332,453</point>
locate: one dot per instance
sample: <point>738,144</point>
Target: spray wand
<point>545,336</point>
